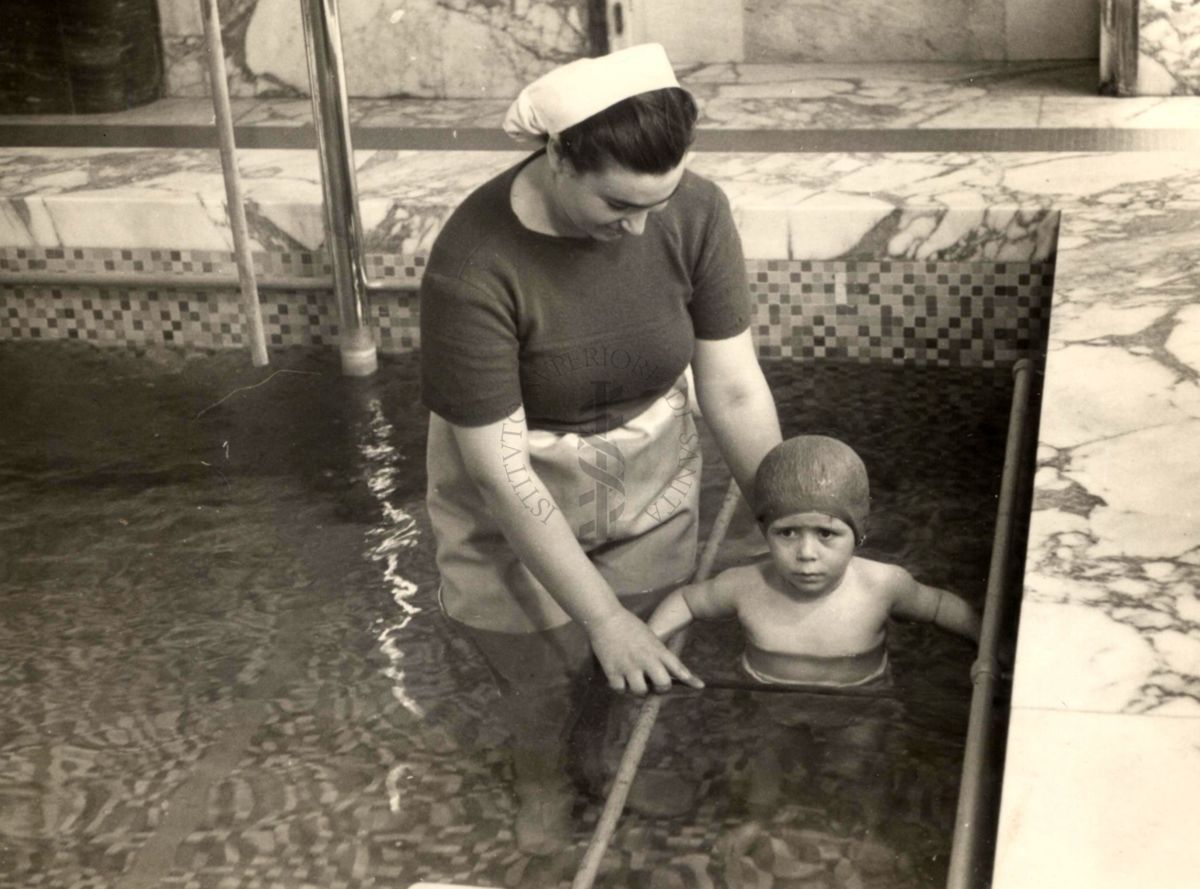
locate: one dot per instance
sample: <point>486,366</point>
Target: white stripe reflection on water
<point>397,533</point>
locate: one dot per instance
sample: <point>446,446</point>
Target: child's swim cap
<point>813,473</point>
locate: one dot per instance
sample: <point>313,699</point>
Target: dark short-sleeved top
<point>584,333</point>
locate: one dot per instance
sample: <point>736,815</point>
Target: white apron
<point>631,495</point>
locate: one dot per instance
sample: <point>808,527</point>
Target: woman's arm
<point>496,456</point>
<point>737,403</point>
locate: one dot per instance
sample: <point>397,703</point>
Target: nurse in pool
<point>562,304</point>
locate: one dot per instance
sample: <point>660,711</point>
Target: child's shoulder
<point>882,576</point>
<point>751,572</point>
<point>875,565</point>
<point>744,578</point>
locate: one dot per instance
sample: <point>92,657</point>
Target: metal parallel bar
<point>640,737</point>
<point>168,281</point>
<point>985,674</point>
<point>965,851</point>
<point>251,311</point>
<point>881,694</point>
<point>343,227</point>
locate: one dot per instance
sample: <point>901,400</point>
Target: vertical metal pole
<point>251,312</point>
<point>965,852</point>
<point>343,228</point>
<point>1120,31</point>
<point>635,747</point>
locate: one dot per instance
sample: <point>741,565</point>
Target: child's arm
<point>917,601</point>
<point>684,604</point>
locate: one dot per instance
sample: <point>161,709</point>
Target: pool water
<point>224,665</point>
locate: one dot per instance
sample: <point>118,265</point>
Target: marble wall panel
<point>1051,29</point>
<point>1150,47</point>
<point>1168,48</point>
<point>427,48</point>
<point>474,48</point>
<point>919,206</point>
<point>864,30</point>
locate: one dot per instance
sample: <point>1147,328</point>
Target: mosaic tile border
<point>942,313</point>
<point>948,314</point>
<point>404,270</point>
<point>199,319</point>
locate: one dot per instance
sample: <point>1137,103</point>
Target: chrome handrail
<point>186,281</point>
<point>343,227</point>
<point>240,232</point>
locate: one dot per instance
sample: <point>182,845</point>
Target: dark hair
<point>646,133</point>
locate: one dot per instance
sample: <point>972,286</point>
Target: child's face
<point>811,550</point>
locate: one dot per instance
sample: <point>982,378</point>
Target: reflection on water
<point>397,531</point>
<point>224,663</point>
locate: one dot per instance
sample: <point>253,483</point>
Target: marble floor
<point>1102,772</point>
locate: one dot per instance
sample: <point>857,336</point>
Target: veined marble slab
<point>914,206</point>
<point>919,206</point>
<point>1112,601</point>
<point>1168,47</point>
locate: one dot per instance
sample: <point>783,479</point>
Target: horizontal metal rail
<point>868,692</point>
<point>168,281</point>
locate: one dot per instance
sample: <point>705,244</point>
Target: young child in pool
<point>814,612</point>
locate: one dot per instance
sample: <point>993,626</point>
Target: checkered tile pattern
<point>949,314</point>
<point>405,270</point>
<point>99,260</point>
<point>120,317</point>
<point>206,319</point>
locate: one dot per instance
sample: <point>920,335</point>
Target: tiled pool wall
<point>944,313</point>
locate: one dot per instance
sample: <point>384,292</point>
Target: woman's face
<point>610,203</point>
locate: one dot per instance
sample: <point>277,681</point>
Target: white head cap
<point>574,92</point>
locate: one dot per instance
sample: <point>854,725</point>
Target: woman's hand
<point>629,653</point>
